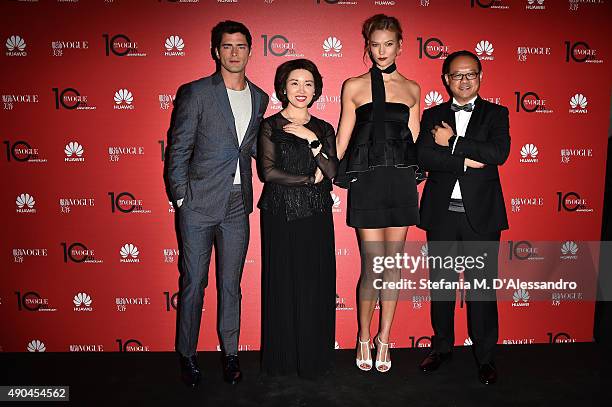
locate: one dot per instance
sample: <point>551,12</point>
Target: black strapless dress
<point>383,189</point>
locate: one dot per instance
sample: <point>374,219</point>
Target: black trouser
<point>458,238</point>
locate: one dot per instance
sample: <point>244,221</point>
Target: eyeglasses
<point>470,76</point>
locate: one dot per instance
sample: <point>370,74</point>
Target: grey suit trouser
<point>231,239</point>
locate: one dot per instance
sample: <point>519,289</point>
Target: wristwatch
<point>314,144</point>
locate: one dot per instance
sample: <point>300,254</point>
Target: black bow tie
<point>466,108</point>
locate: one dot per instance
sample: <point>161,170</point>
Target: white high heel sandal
<point>367,362</point>
<point>379,363</point>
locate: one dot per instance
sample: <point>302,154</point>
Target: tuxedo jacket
<point>204,149</point>
<point>487,140</point>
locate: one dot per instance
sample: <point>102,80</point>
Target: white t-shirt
<point>240,101</point>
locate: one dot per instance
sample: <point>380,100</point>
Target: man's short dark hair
<point>228,27</point>
<point>283,71</point>
<point>464,53</point>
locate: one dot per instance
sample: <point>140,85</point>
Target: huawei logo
<point>15,42</point>
<point>569,248</point>
<point>123,96</point>
<point>578,101</point>
<point>433,97</point>
<point>129,250</point>
<point>73,148</point>
<point>332,44</point>
<point>336,199</point>
<point>25,200</point>
<point>484,47</point>
<point>36,346</point>
<point>520,295</point>
<point>174,42</point>
<point>529,151</point>
<point>82,299</point>
<point>539,2</point>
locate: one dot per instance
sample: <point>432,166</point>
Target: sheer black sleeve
<point>266,161</point>
<point>327,159</point>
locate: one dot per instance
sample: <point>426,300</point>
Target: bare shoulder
<point>356,83</point>
<point>411,86</point>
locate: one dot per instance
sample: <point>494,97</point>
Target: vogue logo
<point>123,302</point>
<point>21,151</point>
<point>571,202</point>
<point>568,153</point>
<point>523,250</point>
<point>338,2</point>
<point>32,301</point>
<point>78,253</point>
<point>530,102</point>
<point>70,99</point>
<point>58,47</point>
<point>131,345</point>
<point>432,48</point>
<point>518,203</point>
<point>126,202</point>
<point>525,51</point>
<point>580,52</point>
<point>278,45</point>
<point>9,101</point>
<point>120,45</point>
<point>493,4</point>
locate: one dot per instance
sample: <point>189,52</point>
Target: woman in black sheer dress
<point>297,160</point>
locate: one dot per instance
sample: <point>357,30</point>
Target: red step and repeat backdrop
<point>89,250</point>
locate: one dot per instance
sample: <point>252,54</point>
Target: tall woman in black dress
<point>297,160</point>
<point>376,141</point>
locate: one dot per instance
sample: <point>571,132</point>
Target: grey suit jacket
<point>204,150</point>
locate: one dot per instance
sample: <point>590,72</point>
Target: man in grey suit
<point>213,137</point>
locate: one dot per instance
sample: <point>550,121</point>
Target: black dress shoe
<point>434,360</point>
<point>487,373</point>
<point>231,369</point>
<point>190,371</point>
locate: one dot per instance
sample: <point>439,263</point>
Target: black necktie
<point>378,99</point>
<point>466,108</point>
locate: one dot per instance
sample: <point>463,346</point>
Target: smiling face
<point>384,47</point>
<point>300,87</point>
<point>234,52</point>
<point>464,89</point>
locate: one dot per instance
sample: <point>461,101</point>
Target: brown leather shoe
<point>434,360</point>
<point>487,374</point>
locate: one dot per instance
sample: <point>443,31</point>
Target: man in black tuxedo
<point>461,144</point>
<point>215,126</point>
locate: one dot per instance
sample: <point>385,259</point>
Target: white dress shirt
<point>462,119</point>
